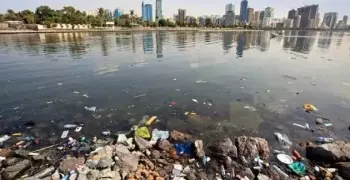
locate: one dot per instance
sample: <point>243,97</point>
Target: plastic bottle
<point>327,124</point>
<point>324,140</point>
<point>222,172</point>
<point>282,174</point>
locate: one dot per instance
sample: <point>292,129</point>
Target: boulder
<point>127,161</point>
<point>105,163</point>
<point>93,174</point>
<point>199,148</point>
<point>252,147</point>
<point>21,153</point>
<point>223,148</point>
<point>142,143</point>
<point>11,161</point>
<point>165,145</point>
<point>179,136</point>
<point>12,172</point>
<point>156,154</point>
<point>83,171</point>
<point>5,152</point>
<point>337,151</point>
<point>108,151</point>
<point>109,174</point>
<point>70,163</point>
<point>344,169</point>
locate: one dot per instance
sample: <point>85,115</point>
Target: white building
<point>288,23</point>
<point>229,7</point>
<point>159,11</point>
<point>266,22</point>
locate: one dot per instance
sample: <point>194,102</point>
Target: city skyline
<point>193,7</point>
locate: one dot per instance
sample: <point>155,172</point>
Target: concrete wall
<point>4,26</point>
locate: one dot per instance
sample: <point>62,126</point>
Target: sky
<point>193,7</point>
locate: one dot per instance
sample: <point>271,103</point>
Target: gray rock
<point>338,151</point>
<point>344,169</point>
<point>109,151</point>
<point>46,172</point>
<point>142,143</point>
<point>14,171</point>
<point>156,154</point>
<point>162,161</point>
<point>263,177</point>
<point>249,173</point>
<point>83,171</point>
<point>251,147</point>
<point>319,121</point>
<point>165,145</point>
<point>73,176</point>
<point>93,174</point>
<point>148,163</point>
<point>105,162</point>
<point>199,148</point>
<point>11,161</point>
<point>128,161</point>
<point>223,148</point>
<point>70,163</point>
<point>21,153</point>
<point>109,174</point>
<point>191,176</point>
<point>91,163</point>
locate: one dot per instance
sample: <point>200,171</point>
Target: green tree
<point>2,18</point>
<point>45,15</point>
<point>101,15</point>
<point>208,22</point>
<point>132,12</point>
<point>27,16</point>
<point>162,23</point>
<point>11,15</point>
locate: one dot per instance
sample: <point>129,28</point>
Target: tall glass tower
<point>159,11</point>
<point>244,11</point>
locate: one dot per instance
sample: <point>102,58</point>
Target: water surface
<point>245,82</point>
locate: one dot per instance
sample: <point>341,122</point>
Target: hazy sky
<point>193,7</point>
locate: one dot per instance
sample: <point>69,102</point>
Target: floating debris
<point>64,134</point>
<point>85,95</point>
<point>289,77</point>
<point>76,92</point>
<point>201,82</point>
<point>310,107</point>
<point>195,100</point>
<point>59,84</point>
<point>251,108</point>
<point>346,83</point>
<point>92,108</point>
<point>16,108</point>
<point>49,102</point>
<point>138,96</point>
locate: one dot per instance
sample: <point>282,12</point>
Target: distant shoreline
<point>147,29</point>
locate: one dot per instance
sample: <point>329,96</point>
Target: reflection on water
<point>229,70</point>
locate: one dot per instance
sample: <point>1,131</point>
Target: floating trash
<point>195,100</point>
<point>251,108</point>
<point>70,126</point>
<point>201,82</point>
<point>92,108</point>
<point>78,129</point>
<point>138,96</point>
<point>310,107</point>
<point>59,84</point>
<point>85,95</point>
<point>49,102</point>
<point>346,83</point>
<point>64,134</point>
<point>284,158</point>
<point>76,92</point>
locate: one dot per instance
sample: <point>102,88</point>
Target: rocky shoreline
<point>147,153</point>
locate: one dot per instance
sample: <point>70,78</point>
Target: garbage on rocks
<point>106,133</point>
<point>310,107</point>
<point>4,138</point>
<point>150,121</point>
<point>138,96</point>
<point>184,149</point>
<point>121,138</point>
<point>283,139</point>
<point>324,140</point>
<point>158,134</point>
<point>17,134</point>
<point>78,129</point>
<point>298,168</point>
<point>306,126</point>
<point>143,132</point>
<point>70,126</point>
<point>177,170</point>
<point>327,124</point>
<point>284,158</point>
<point>64,134</point>
<point>92,108</point>
<point>296,154</point>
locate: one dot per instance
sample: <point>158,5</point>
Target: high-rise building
<point>266,22</point>
<point>296,23</point>
<point>262,14</point>
<point>330,19</point>
<point>244,11</point>
<point>143,10</point>
<point>317,21</point>
<point>148,13</point>
<point>256,18</point>
<point>292,14</point>
<point>159,11</point>
<point>229,19</point>
<point>307,13</point>
<point>108,15</point>
<point>288,23</point>
<point>201,21</point>
<point>250,15</point>
<point>229,7</point>
<point>181,16</point>
<point>117,13</point>
<point>345,20</point>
